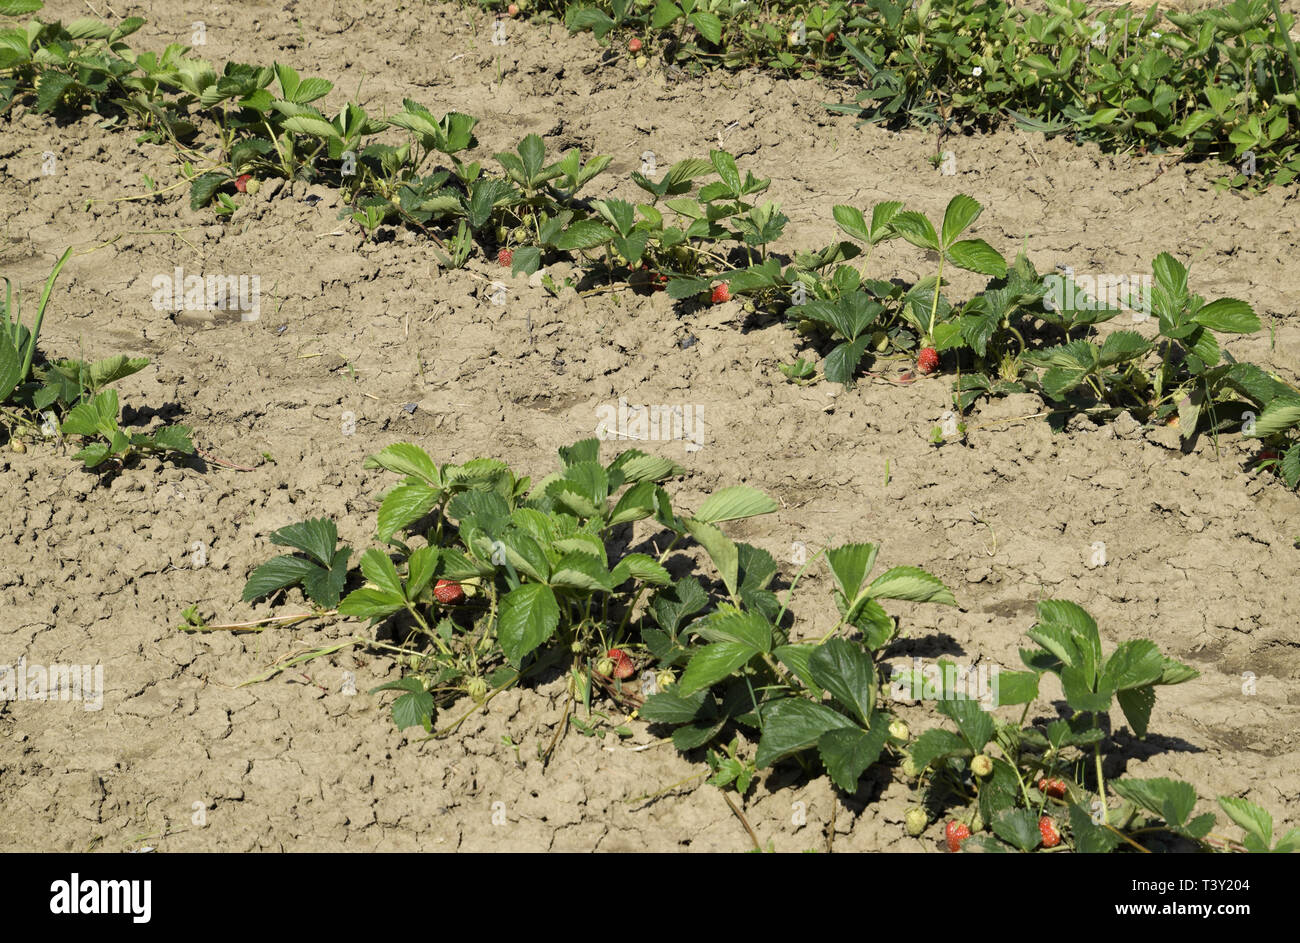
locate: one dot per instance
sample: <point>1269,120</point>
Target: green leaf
<point>420,567</point>
<point>910,583</point>
<point>976,255</point>
<point>842,362</point>
<point>276,574</point>
<point>962,211</point>
<point>529,615</point>
<point>10,365</point>
<point>204,187</point>
<point>111,369</point>
<point>791,725</point>
<point>370,603</point>
<point>414,708</point>
<point>581,571</point>
<point>735,503</point>
<point>709,25</point>
<point>937,743</point>
<point>847,752</point>
<point>642,567</point>
<point>1090,838</point>
<point>172,439</point>
<point>1254,820</point>
<point>378,570</point>
<point>1170,799</point>
<point>584,234</point>
<point>316,537</point>
<point>1278,416</point>
<point>325,586</point>
<point>316,127</point>
<point>671,706</point>
<point>748,628</point>
<point>850,219</point>
<point>1228,315</point>
<point>849,673</point>
<point>406,459</point>
<point>1018,827</point>
<point>1015,687</point>
<point>975,723</point>
<point>916,229</point>
<point>721,549</point>
<point>714,662</point>
<point>403,505</point>
<point>850,565</point>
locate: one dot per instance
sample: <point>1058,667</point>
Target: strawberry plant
<point>958,768</point>
<point>742,670</point>
<point>488,577</point>
<point>34,393</point>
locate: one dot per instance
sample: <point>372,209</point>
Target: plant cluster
<point>45,399</point>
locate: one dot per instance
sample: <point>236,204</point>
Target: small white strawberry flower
<point>977,72</point>
<point>1155,34</point>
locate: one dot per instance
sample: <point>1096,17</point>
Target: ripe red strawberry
<point>241,182</point>
<point>1051,835</point>
<point>830,37</point>
<point>1053,787</point>
<point>623,665</point>
<point>448,592</point>
<point>928,360</point>
<point>955,833</point>
<point>634,45</point>
<point>721,293</point>
<point>512,9</point>
<point>505,257</point>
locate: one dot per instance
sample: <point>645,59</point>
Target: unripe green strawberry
<point>666,678</point>
<point>520,234</point>
<point>806,327</point>
<point>898,730</point>
<point>605,667</point>
<point>981,766</point>
<point>576,647</point>
<point>502,234</point>
<point>977,821</point>
<point>910,769</point>
<point>477,688</point>
<point>916,820</point>
<point>252,186</point>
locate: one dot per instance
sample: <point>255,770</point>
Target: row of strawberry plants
<point>485,580</point>
<point>1218,82</point>
<point>700,233</point>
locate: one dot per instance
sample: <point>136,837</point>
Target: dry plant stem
<point>745,822</point>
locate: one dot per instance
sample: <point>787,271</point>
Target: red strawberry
<point>928,360</point>
<point>721,293</point>
<point>448,592</point>
<point>623,666</point>
<point>512,9</point>
<point>955,833</point>
<point>634,45</point>
<point>1051,835</point>
<point>505,257</point>
<point>241,182</point>
<point>830,37</point>
<point>1053,787</point>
